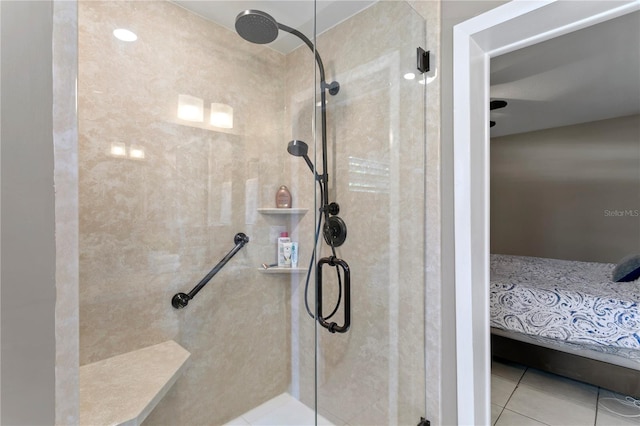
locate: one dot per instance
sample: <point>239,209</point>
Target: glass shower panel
<point>183,144</point>
<point>184,139</point>
<point>375,372</point>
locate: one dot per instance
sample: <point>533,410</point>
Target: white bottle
<point>282,260</point>
<point>287,252</point>
<point>294,255</point>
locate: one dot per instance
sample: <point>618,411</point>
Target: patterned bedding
<point>566,300</point>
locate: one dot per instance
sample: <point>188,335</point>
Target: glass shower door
<point>374,371</point>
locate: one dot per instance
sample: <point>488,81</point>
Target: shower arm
<point>333,86</point>
<point>333,89</point>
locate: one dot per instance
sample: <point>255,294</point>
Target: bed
<point>568,318</point>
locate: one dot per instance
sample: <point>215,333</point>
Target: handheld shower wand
<point>300,149</point>
<point>259,27</point>
<point>335,230</point>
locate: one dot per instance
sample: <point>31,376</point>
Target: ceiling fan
<point>497,104</point>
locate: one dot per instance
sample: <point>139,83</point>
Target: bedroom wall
<point>568,193</point>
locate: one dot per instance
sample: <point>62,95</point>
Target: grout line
<point>523,373</point>
<point>528,417</point>
<point>599,389</point>
<point>498,418</point>
<point>514,389</point>
<point>511,395</point>
<point>518,383</point>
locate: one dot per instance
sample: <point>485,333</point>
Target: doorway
<point>507,28</point>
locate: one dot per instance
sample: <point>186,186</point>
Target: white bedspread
<point>566,300</point>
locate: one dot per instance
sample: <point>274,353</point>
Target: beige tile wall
<point>152,227</point>
<point>374,374</point>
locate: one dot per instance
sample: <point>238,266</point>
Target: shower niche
<point>294,215</point>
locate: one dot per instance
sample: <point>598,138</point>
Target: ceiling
<point>588,75</point>
<point>295,14</point>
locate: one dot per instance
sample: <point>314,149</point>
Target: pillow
<point>628,269</point>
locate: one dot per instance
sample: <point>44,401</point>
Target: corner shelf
<point>283,211</point>
<point>275,270</point>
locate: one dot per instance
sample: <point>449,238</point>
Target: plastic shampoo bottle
<point>284,261</point>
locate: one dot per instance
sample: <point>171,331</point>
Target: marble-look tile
<point>335,419</point>
<point>510,418</point>
<point>549,408</point>
<point>373,415</point>
<point>376,363</point>
<point>125,388</point>
<point>501,390</point>
<point>152,227</point>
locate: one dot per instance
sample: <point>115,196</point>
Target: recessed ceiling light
<point>409,76</point>
<point>124,34</point>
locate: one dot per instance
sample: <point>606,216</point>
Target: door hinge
<point>424,422</point>
<point>422,60</point>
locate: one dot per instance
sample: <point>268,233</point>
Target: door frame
<point>507,28</point>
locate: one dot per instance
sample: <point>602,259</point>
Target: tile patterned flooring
<point>524,396</point>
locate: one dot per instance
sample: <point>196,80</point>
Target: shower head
<point>259,27</point>
<point>256,26</point>
<point>300,149</point>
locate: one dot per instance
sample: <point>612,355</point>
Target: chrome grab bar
<point>180,300</point>
<point>333,327</point>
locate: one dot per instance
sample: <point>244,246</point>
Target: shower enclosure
<point>183,142</point>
